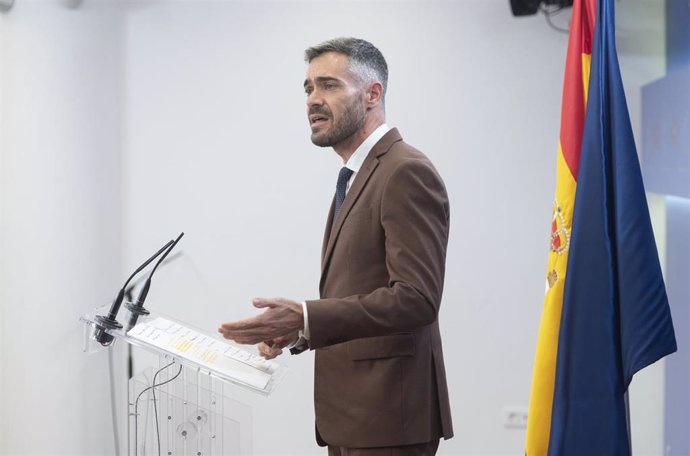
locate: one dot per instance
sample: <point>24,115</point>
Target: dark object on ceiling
<point>529,7</point>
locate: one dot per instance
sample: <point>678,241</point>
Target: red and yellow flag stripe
<point>572,125</point>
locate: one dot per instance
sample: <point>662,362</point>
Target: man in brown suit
<point>380,383</point>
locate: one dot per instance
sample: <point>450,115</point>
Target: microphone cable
<point>113,402</point>
<point>136,404</point>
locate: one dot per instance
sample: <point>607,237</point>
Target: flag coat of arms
<point>606,313</point>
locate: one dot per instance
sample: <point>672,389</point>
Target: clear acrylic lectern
<point>182,405</point>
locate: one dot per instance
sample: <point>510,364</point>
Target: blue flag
<point>616,318</point>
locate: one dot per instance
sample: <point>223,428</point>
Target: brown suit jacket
<point>379,373</point>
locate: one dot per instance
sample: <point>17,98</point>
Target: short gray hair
<point>366,61</point>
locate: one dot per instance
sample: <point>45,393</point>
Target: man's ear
<point>374,94</point>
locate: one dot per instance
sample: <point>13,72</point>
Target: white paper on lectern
<point>206,351</point>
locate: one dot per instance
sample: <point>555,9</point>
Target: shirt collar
<point>356,160</point>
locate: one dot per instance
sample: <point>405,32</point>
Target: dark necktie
<point>343,177</point>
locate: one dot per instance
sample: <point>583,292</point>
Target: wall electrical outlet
<point>515,417</point>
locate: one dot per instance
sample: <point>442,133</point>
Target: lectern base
<point>177,410</point>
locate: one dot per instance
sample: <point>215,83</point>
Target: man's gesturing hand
<point>281,319</point>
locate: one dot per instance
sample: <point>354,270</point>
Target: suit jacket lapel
<point>327,231</point>
<point>361,178</point>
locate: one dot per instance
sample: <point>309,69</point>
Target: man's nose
<point>314,99</point>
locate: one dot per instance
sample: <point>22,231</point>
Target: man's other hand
<point>272,348</point>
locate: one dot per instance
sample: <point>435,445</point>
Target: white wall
<point>2,210</point>
<point>160,116</point>
<point>60,222</point>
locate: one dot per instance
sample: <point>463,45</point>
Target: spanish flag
<point>606,314</point>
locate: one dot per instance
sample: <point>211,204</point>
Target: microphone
<point>137,308</point>
<point>104,323</point>
<point>130,298</point>
<point>129,291</point>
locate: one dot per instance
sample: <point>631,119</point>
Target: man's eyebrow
<point>321,79</point>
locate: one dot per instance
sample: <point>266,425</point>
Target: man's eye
<point>308,90</point>
<point>329,86</point>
